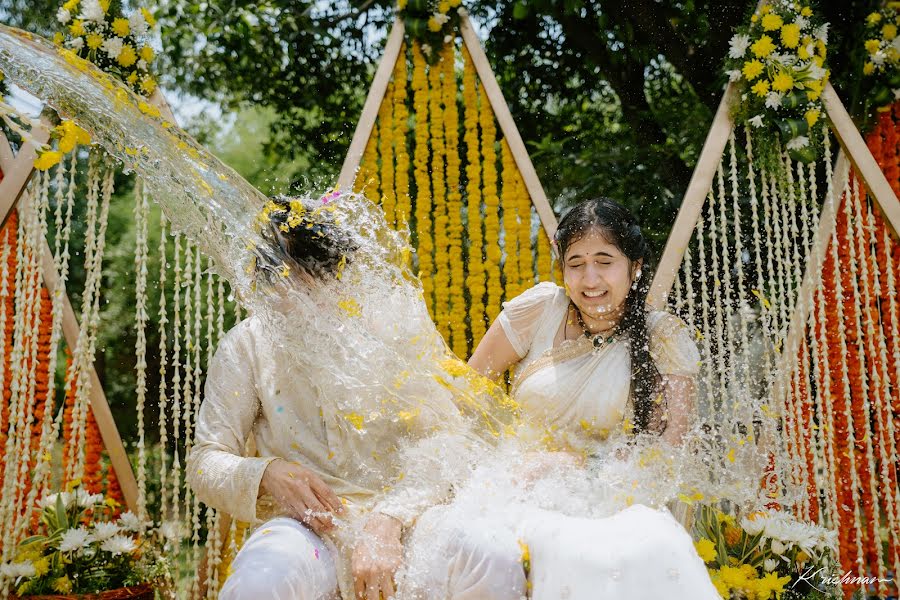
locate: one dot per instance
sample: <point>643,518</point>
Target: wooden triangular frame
<point>376,94</point>
<point>17,171</point>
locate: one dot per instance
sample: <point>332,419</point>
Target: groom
<point>253,387</point>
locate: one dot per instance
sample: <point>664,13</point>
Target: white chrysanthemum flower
<point>770,564</point>
<point>440,18</point>
<point>63,16</point>
<point>738,45</point>
<point>92,11</point>
<point>142,65</point>
<point>113,47</point>
<point>878,58</point>
<point>802,22</point>
<point>138,23</point>
<point>103,531</point>
<point>130,521</point>
<point>85,499</point>
<point>734,74</point>
<point>778,548</point>
<point>787,59</point>
<point>821,33</point>
<point>74,540</point>
<point>797,143</point>
<point>773,99</point>
<point>816,72</point>
<point>50,500</point>
<point>18,569</point>
<point>810,49</point>
<point>118,544</point>
<point>757,121</point>
<point>758,523</point>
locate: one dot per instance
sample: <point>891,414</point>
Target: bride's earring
<point>637,276</point>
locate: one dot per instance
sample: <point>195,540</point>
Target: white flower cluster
<point>785,532</point>
<point>83,498</point>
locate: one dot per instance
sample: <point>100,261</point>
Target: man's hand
<point>377,557</point>
<point>301,494</point>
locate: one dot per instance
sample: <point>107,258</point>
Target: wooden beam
<point>6,154</point>
<point>508,127</point>
<point>861,157</point>
<point>692,204</point>
<point>370,109</point>
<point>99,405</point>
<point>16,178</point>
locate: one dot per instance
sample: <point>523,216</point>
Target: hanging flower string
<point>778,63</point>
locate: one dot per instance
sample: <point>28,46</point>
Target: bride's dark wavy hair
<point>620,228</point>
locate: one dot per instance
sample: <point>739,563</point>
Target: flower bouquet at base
<point>766,554</point>
<point>82,551</point>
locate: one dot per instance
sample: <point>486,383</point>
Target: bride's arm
<point>495,353</point>
<point>679,392</point>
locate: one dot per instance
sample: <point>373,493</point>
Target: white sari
<point>583,538</point>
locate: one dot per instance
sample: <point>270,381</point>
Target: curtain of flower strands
<point>737,289</point>
<point>477,237</point>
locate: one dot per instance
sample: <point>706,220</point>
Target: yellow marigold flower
<point>120,27</point>
<point>148,84</point>
<point>782,82</point>
<point>71,5</point>
<point>62,585</point>
<point>41,566</point>
<point>873,18</point>
<point>148,16</point>
<point>812,115</point>
<point>763,47</point>
<point>752,69</point>
<point>802,557</point>
<point>771,22</point>
<point>76,28</point>
<point>94,40</point>
<point>147,53</point>
<point>70,135</point>
<point>444,7</point>
<point>806,12</point>
<point>766,9</point>
<point>790,35</point>
<point>47,159</point>
<point>434,24</point>
<point>872,46</point>
<point>889,31</point>
<point>761,88</point>
<point>706,549</point>
<point>754,18</point>
<point>128,56</point>
<point>104,4</point>
<point>733,535</point>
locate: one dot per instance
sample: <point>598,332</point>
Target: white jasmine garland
<point>113,47</point>
<point>738,45</point>
<point>118,544</point>
<point>74,540</point>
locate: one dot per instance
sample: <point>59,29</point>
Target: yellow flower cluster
<point>526,252</point>
<point>423,182</point>
<point>367,177</point>
<point>475,280</point>
<point>440,16</point>
<point>439,189</point>
<point>545,268</point>
<point>386,148</point>
<point>401,123</point>
<point>493,253</point>
<point>116,44</point>
<point>510,221</point>
<point>70,136</point>
<point>457,310</point>
<point>882,44</point>
<point>743,581</point>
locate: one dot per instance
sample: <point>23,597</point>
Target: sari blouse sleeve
<point>672,346</point>
<point>522,316</point>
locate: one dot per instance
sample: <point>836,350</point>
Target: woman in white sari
<point>589,362</point>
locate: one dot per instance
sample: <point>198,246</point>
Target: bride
<point>591,366</point>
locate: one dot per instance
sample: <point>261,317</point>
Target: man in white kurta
<point>255,387</point>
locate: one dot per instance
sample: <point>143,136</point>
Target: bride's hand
<point>301,494</point>
<point>376,557</point>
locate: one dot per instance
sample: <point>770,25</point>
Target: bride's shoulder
<point>671,343</point>
<point>661,322</point>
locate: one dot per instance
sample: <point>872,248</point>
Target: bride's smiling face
<point>597,274</point>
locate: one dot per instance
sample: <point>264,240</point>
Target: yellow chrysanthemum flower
<point>120,27</point>
<point>148,16</point>
<point>761,88</point>
<point>71,5</point>
<point>872,46</point>
<point>41,566</point>
<point>455,3</point>
<point>820,46</point>
<point>766,9</point>
<point>132,77</point>
<point>148,84</point>
<point>706,549</point>
<point>147,53</point>
<point>127,56</point>
<point>434,24</point>
<point>763,47</point>
<point>752,69</point>
<point>790,35</point>
<point>873,18</point>
<point>76,28</point>
<point>771,22</point>
<point>806,12</point>
<point>754,18</point>
<point>47,159</point>
<point>58,38</point>
<point>63,585</point>
<point>104,4</point>
<point>889,31</point>
<point>70,135</point>
<point>94,40</point>
<point>814,90</point>
<point>444,7</point>
<point>782,82</point>
<point>812,116</point>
